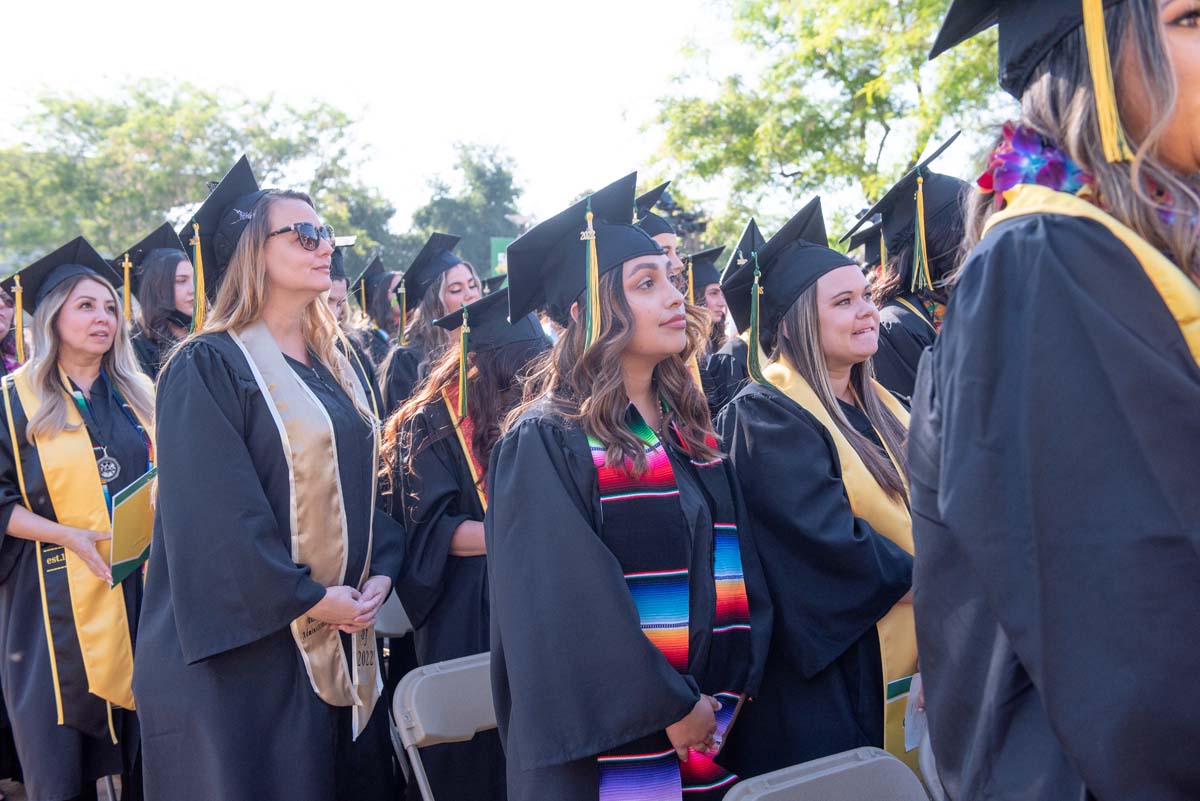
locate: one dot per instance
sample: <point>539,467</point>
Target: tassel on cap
<point>1112,135</point>
<point>19,317</point>
<point>127,265</point>
<point>199,299</point>
<point>464,332</point>
<point>754,366</point>
<point>403,293</point>
<point>882,249</point>
<point>592,312</point>
<point>921,279</point>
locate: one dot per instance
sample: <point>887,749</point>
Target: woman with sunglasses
<point>78,429</point>
<point>629,617</point>
<point>1056,434</point>
<point>256,670</point>
<point>436,284</point>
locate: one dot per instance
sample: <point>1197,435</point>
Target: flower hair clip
<point>1026,157</point>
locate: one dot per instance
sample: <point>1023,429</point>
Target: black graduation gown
<point>1053,453</point>
<point>403,369</point>
<point>58,761</point>
<point>903,337</point>
<point>222,692</point>
<point>573,675</point>
<point>364,368</point>
<point>726,372</point>
<point>445,596</point>
<point>376,344</point>
<point>150,352</point>
<point>831,576</point>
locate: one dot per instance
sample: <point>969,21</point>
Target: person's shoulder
<point>207,358</point>
<point>1032,247</point>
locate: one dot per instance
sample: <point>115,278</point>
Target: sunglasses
<point>307,234</point>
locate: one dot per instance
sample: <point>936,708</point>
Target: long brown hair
<point>493,390</point>
<point>1059,105</point>
<point>799,342</point>
<point>587,386</point>
<point>420,330</point>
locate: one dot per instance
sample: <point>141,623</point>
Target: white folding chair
<point>447,702</point>
<point>928,765</point>
<point>392,620</point>
<point>864,774</point>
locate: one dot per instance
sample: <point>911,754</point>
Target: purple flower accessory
<point>1026,157</point>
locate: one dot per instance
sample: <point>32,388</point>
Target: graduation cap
<point>551,264</point>
<point>646,219</point>
<point>483,326</point>
<point>436,257</point>
<point>871,240</point>
<point>30,286</point>
<point>761,289</point>
<point>920,195</point>
<point>702,270</point>
<point>337,261</point>
<point>1029,32</point>
<point>215,228</point>
<point>129,264</point>
<point>495,283</point>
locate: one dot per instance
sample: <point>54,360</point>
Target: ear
<point>575,311</point>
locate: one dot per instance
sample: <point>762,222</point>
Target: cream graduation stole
<point>318,519</point>
<point>100,623</point>
<point>1178,292</point>
<point>889,517</point>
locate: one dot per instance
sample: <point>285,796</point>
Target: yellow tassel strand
<point>128,265</point>
<point>592,314</point>
<point>19,317</point>
<point>691,283</point>
<point>921,279</point>
<point>464,333</point>
<point>882,250</point>
<point>1112,135</point>
<point>200,300</point>
<point>404,313</point>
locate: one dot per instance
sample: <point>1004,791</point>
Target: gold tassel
<point>127,264</point>
<point>1112,135</point>
<point>921,279</point>
<point>404,313</point>
<point>691,283</point>
<point>464,332</point>
<point>693,362</point>
<point>19,316</point>
<point>882,250</point>
<point>756,291</point>
<point>592,313</point>
<point>200,300</point>
<point>362,293</point>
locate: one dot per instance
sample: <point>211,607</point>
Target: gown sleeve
<point>430,497</point>
<point>832,576</point>
<point>1070,442</point>
<point>401,373</point>
<point>232,577</point>
<point>573,674</point>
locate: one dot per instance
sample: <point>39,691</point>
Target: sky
<point>565,88</point>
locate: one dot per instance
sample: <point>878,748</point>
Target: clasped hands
<point>350,610</point>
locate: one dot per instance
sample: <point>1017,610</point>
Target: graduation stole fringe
<point>897,630</point>
<point>319,535</point>
<point>199,299</point>
<point>753,362</point>
<point>87,626</point>
<point>592,313</point>
<point>921,279</point>
<point>1112,135</point>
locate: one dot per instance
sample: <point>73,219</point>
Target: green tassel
<point>464,333</point>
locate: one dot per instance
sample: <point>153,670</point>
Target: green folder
<point>132,525</point>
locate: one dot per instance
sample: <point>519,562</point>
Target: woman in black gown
<point>78,429</point>
<point>162,278</point>
<point>625,592</point>
<point>437,461</point>
<point>256,670</point>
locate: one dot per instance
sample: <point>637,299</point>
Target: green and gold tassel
<point>755,348</point>
<point>403,293</point>
<point>19,317</point>
<point>921,280</point>
<point>199,299</point>
<point>464,333</point>
<point>592,312</point>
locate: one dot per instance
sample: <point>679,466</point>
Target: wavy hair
<point>420,330</point>
<point>120,363</point>
<point>587,386</point>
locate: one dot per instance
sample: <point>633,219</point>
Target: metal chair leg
<point>110,789</point>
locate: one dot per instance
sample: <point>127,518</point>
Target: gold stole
<point>73,483</point>
<point>318,519</point>
<point>889,517</point>
<point>1178,292</point>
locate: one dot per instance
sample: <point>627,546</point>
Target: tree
<point>479,209</point>
<point>113,169</point>
<point>844,100</point>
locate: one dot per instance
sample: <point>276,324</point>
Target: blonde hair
<point>243,293</point>
<point>120,363</point>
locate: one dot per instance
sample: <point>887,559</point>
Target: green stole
<point>85,620</point>
<point>319,536</point>
<point>1179,293</point>
<point>888,516</point>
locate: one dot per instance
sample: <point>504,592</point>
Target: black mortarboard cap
<point>751,241</point>
<point>436,257</point>
<point>704,268</point>
<point>39,279</point>
<point>490,328</point>
<point>870,239</point>
<point>373,279</point>
<point>495,283</point>
<point>163,238</point>
<point>547,265</point>
<point>222,217</point>
<point>898,206</point>
<point>645,218</point>
<point>789,263</point>
<point>337,261</point>
<point>1029,31</point>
